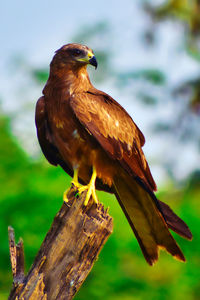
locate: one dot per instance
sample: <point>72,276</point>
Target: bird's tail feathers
<point>174,222</point>
<point>145,219</point>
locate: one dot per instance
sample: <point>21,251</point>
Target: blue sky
<point>35,26</point>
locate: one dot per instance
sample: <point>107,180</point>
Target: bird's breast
<point>76,145</point>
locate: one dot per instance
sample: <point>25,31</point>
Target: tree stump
<point>67,253</point>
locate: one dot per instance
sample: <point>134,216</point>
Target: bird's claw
<point>75,185</point>
<point>90,192</point>
<point>90,187</point>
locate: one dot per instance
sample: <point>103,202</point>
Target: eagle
<point>95,141</point>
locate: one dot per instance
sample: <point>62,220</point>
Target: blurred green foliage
<point>186,11</point>
<point>31,194</point>
<point>187,14</point>
<point>40,75</point>
<point>152,75</point>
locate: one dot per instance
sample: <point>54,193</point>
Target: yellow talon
<point>90,187</point>
<point>65,199</point>
<point>73,182</point>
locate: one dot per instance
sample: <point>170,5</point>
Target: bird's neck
<point>72,80</point>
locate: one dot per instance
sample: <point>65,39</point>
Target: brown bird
<point>95,140</point>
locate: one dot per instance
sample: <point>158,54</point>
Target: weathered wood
<point>16,257</point>
<point>17,260</point>
<point>68,251</point>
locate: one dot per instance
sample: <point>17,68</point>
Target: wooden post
<point>67,253</point>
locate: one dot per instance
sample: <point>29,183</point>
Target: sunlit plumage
<point>87,132</point>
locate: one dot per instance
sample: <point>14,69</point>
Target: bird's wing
<point>118,135</point>
<point>49,150</point>
<point>116,132</point>
<point>43,132</point>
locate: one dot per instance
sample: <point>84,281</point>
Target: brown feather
<point>174,222</point>
<point>110,124</point>
<point>43,133</point>
<point>81,127</point>
<point>145,219</point>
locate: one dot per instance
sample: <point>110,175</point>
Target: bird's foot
<point>90,187</point>
<point>75,185</point>
<point>65,198</point>
<point>90,192</point>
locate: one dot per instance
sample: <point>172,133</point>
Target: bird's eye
<point>76,52</point>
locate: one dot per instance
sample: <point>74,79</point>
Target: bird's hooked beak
<point>93,61</point>
<point>90,59</point>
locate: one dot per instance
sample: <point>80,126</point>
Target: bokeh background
<point>149,61</point>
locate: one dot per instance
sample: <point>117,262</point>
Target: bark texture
<point>67,253</point>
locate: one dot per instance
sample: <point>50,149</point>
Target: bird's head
<point>75,56</point>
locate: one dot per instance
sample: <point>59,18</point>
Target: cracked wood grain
<point>67,254</point>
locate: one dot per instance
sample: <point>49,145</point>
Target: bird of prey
<point>94,139</point>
